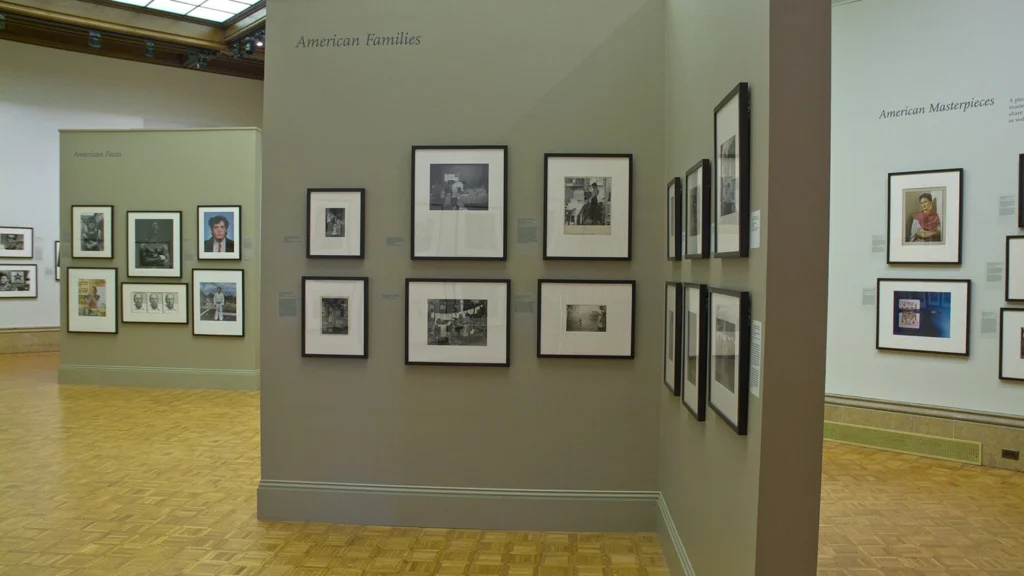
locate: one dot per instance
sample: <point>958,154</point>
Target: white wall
<point>887,55</point>
<point>43,90</point>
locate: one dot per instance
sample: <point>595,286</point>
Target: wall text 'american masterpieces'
<point>962,106</point>
<point>369,39</point>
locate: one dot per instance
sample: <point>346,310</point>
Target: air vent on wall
<point>964,451</point>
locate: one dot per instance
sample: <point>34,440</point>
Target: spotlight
<point>94,39</point>
<point>150,49</point>
<point>259,43</point>
<point>248,47</point>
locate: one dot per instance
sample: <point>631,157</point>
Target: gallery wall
<point>581,76</point>
<point>43,90</point>
<point>178,170</point>
<point>920,53</point>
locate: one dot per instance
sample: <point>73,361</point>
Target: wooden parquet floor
<point>109,481</point>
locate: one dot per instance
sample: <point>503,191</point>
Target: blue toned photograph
<point>923,314</point>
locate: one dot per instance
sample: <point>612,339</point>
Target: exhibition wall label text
<point>369,39</point>
<point>962,106</point>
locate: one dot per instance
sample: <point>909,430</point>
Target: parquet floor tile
<point>110,481</point>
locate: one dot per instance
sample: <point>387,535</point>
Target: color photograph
<point>92,298</point>
<point>922,215</point>
<point>924,314</point>
<point>219,301</point>
<point>92,304</point>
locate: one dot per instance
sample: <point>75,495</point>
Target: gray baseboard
<point>159,377</point>
<point>465,508</point>
<point>671,544</point>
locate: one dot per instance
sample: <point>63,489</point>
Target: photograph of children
<point>334,315</point>
<point>588,206</point>
<point>923,214</point>
<point>219,237</point>
<point>586,318</point>
<point>459,186</point>
<point>334,222</point>
<point>727,172</point>
<point>92,298</point>
<point>923,314</point>
<point>15,281</point>
<point>725,353</point>
<point>453,322</point>
<point>219,301</point>
<point>154,243</point>
<point>92,239</point>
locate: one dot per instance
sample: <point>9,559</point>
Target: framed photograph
<point>334,222</point>
<point>1020,191</point>
<point>18,281</point>
<point>1013,276</point>
<point>675,220</point>
<point>694,362</point>
<point>673,336</point>
<point>729,356</point>
<point>923,316</point>
<point>334,312</point>
<point>218,303</point>
<point>154,303</point>
<point>586,319</point>
<point>16,242</point>
<point>460,322</point>
<point>1011,344</point>
<point>154,244</point>
<point>732,174</point>
<point>698,210</point>
<point>459,194</point>
<point>56,260</point>
<point>588,205</point>
<point>219,233</point>
<point>92,300</point>
<point>92,232</point>
<point>925,217</point>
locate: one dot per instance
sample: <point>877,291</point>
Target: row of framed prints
<point>707,350</point>
<point>467,322</point>
<point>94,305</point>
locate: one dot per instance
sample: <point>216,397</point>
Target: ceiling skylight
<point>213,10</point>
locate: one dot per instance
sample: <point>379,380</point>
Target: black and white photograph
<point>923,315</point>
<point>459,194</point>
<point>16,242</point>
<point>729,356</point>
<point>697,229</point>
<point>218,303</point>
<point>334,313</point>
<point>1011,344</point>
<point>585,318</point>
<point>673,338</point>
<point>1013,271</point>
<point>154,244</point>
<point>732,174</point>
<point>694,350</point>
<point>92,303</point>
<point>18,281</point>
<point>154,303</point>
<point>92,232</point>
<point>334,222</point>
<point>461,322</point>
<point>218,232</point>
<point>674,219</point>
<point>925,217</point>
<point>588,206</point>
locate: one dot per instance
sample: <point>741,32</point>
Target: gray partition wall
<point>163,170</point>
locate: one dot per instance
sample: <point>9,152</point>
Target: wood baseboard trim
<point>1005,420</point>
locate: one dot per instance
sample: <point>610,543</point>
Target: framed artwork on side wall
<point>334,222</point>
<point>56,260</point>
<point>588,206</point>
<point>154,303</point>
<point>154,244</point>
<point>1011,344</point>
<point>925,217</point>
<point>729,356</point>
<point>1013,276</point>
<point>18,281</point>
<point>92,232</point>
<point>674,211</point>
<point>586,319</point>
<point>92,300</point>
<point>923,316</point>
<point>694,364</point>
<point>457,322</point>
<point>673,337</point>
<point>732,174</point>
<point>218,303</point>
<point>1020,191</point>
<point>16,242</point>
<point>697,207</point>
<point>219,234</point>
<point>334,312</point>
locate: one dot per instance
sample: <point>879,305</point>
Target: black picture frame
<point>117,298</point>
<point>123,301</point>
<point>30,236</point>
<point>889,258</point>
<point>109,232</point>
<point>362,223</point>
<point>548,157</point>
<point>56,260</point>
<point>967,331</point>
<point>1008,268</point>
<point>131,253</point>
<point>201,253</point>
<point>504,215</point>
<point>743,348</point>
<point>742,92</point>
<point>1020,191</point>
<point>704,167</point>
<point>197,305</point>
<point>508,320</point>
<point>674,220</point>
<point>540,318</point>
<point>34,293</point>
<point>366,315</point>
<point>675,345</point>
<point>1002,344</point>
<point>700,410</point>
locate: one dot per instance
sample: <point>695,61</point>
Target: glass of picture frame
<point>334,317</point>
<point>1011,344</point>
<point>154,303</point>
<point>459,195</point>
<point>219,232</point>
<point>729,356</point>
<point>923,315</point>
<point>154,244</point>
<point>56,260</point>
<point>334,222</point>
<point>674,213</point>
<point>588,205</point>
<point>92,232</point>
<point>218,303</point>
<point>732,174</point>
<point>18,281</point>
<point>925,217</point>
<point>16,242</point>
<point>697,208</point>
<point>1013,275</point>
<point>673,337</point>
<point>694,357</point>
<point>586,319</point>
<point>457,322</point>
<point>1020,191</point>
<point>92,300</point>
